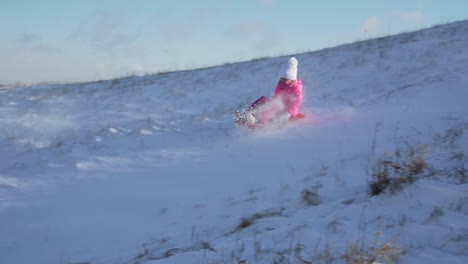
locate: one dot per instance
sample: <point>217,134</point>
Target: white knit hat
<point>289,70</point>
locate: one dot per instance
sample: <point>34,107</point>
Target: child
<point>285,102</point>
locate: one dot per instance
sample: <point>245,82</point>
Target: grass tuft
<point>393,172</point>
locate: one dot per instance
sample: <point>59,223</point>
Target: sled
<point>241,120</point>
<point>254,109</point>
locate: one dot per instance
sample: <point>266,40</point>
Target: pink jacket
<point>286,98</point>
<point>290,96</point>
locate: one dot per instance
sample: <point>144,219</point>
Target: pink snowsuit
<point>290,96</point>
<point>286,98</point>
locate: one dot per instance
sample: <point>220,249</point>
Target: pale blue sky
<point>59,40</point>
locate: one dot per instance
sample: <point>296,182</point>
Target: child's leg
<point>250,115</point>
<point>259,102</point>
<point>259,109</point>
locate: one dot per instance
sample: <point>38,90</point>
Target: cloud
<point>174,29</point>
<point>28,59</point>
<point>30,42</point>
<point>27,38</point>
<point>413,18</point>
<point>246,28</point>
<point>269,42</point>
<point>176,32</point>
<point>385,24</point>
<point>32,63</point>
<point>371,27</point>
<point>102,46</point>
<point>104,31</point>
<point>266,2</point>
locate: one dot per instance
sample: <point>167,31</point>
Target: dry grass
<point>250,220</point>
<point>393,172</point>
<point>310,196</point>
<point>386,252</point>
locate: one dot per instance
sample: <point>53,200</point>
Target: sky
<point>86,40</point>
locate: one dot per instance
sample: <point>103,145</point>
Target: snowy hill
<point>152,169</point>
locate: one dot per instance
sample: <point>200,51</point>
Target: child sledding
<point>284,104</point>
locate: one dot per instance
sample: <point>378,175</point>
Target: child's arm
<point>296,94</point>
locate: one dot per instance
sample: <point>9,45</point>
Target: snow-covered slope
<point>152,170</point>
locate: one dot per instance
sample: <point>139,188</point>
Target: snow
<point>152,169</point>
